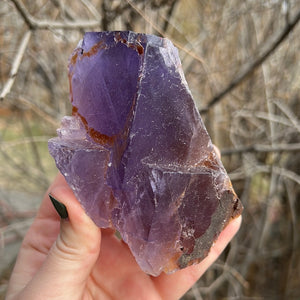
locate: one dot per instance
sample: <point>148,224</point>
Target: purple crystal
<point>136,152</point>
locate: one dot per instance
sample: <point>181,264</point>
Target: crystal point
<point>136,152</point>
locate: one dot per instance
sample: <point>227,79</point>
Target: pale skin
<point>74,259</point>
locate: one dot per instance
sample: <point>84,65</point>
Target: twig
<point>104,21</point>
<point>227,270</point>
<point>289,113</point>
<point>24,13</point>
<point>273,118</point>
<point>262,148</point>
<point>16,64</point>
<point>249,68</point>
<point>91,8</point>
<point>33,23</point>
<point>234,273</point>
<point>169,14</point>
<point>44,112</point>
<point>196,293</point>
<point>66,11</point>
<point>25,170</point>
<point>215,284</point>
<point>252,170</point>
<point>163,34</point>
<point>251,115</point>
<point>265,220</point>
<point>287,174</point>
<point>25,140</point>
<point>16,229</point>
<point>80,24</point>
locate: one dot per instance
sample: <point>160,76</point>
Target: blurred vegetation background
<point>241,61</point>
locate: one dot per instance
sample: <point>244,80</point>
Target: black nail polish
<point>60,208</point>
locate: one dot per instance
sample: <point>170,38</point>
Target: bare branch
<point>104,21</point>
<point>91,8</point>
<point>251,171</point>
<point>249,68</point>
<point>18,229</point>
<point>16,64</point>
<point>251,115</point>
<point>25,140</point>
<point>234,273</point>
<point>37,24</point>
<point>33,23</point>
<point>44,112</point>
<point>262,148</point>
<point>169,14</point>
<point>287,174</point>
<point>163,34</point>
<point>80,24</point>
<point>24,13</point>
<point>289,113</point>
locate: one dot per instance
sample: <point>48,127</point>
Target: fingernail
<point>60,208</point>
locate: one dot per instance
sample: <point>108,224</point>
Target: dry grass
<point>255,122</point>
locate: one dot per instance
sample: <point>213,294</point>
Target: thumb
<point>73,254</point>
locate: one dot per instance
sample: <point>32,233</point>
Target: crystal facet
<point>136,152</point>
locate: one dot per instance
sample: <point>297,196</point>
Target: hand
<point>73,259</point>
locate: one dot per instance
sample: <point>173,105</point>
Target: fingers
<point>168,286</point>
<point>73,253</point>
<point>79,236</point>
